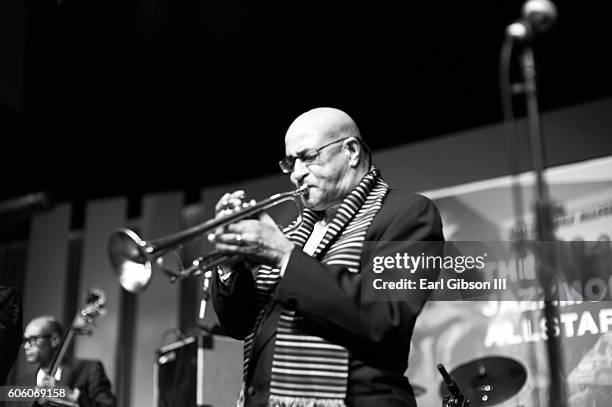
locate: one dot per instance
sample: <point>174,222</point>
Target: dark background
<point>125,97</point>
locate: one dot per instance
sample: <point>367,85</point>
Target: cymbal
<point>488,381</point>
<point>418,390</point>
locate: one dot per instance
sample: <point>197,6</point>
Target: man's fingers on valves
<point>230,201</point>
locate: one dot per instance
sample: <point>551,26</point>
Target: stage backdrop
<point>460,332</point>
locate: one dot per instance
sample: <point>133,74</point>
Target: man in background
<point>41,340</point>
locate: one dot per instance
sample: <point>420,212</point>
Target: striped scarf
<point>307,370</point>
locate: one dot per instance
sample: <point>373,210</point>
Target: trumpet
<point>131,257</point>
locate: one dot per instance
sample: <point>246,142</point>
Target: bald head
<point>331,123</point>
<point>44,325</point>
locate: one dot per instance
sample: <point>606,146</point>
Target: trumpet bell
<point>129,259</point>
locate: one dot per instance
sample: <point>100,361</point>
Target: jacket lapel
<point>67,378</point>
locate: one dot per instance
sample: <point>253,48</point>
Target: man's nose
<point>300,171</point>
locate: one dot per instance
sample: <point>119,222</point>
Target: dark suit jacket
<point>377,334</point>
<point>86,375</point>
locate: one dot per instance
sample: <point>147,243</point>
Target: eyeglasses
<point>307,157</point>
<point>33,340</point>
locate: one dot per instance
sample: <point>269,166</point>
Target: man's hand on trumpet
<point>258,240</point>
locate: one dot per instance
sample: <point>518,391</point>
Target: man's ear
<point>355,151</point>
<point>55,340</point>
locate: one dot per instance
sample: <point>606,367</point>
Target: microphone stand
<point>206,337</point>
<point>203,333</point>
<point>546,259</point>
<point>455,397</point>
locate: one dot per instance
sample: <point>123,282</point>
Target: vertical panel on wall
<point>158,304</point>
<point>44,290</point>
<point>102,218</point>
<point>126,343</point>
<point>71,302</point>
<point>191,288</point>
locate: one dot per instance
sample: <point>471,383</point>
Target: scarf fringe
<point>276,401</point>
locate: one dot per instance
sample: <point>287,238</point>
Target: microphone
<point>537,16</point>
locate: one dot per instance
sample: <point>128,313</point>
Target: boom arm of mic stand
<point>533,120</point>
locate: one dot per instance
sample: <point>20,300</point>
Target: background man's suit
<point>86,375</point>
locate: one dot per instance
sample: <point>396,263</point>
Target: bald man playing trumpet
<point>296,298</point>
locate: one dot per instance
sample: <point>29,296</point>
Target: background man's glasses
<point>34,340</point>
<point>307,157</point>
